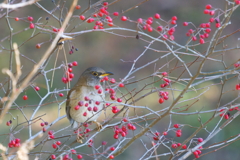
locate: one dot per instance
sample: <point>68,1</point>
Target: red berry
<point>78,7</point>
<point>125,120</point>
<point>95,27</point>
<point>150,29</point>
<point>124,18</point>
<point>194,38</point>
<point>173,22</point>
<point>82,17</point>
<point>185,23</point>
<point>121,85</point>
<point>176,125</point>
<point>74,63</point>
<point>211,13</point>
<point>211,20</point>
<point>61,94</point>
<point>55,30</point>
<point>115,13</point>
<point>161,100</point>
<point>164,133</point>
<point>200,140</point>
<point>25,97</point>
<point>207,25</point>
<point>157,16</point>
<point>119,100</point>
<point>79,156</point>
<point>51,136</point>
<point>89,108</point>
<point>104,143</point>
<point>164,74</point>
<point>208,30</point>
<point>123,134</point>
<point>73,151</point>
<point>44,129</point>
<point>111,157</point>
<point>105,3</point>
<point>42,124</point>
<point>140,20</point>
<point>97,87</point>
<point>206,11</point>
<point>226,116</point>
<point>159,28</point>
<point>58,143</point>
<point>37,88</point>
<point>70,70</point>
<point>208,6</point>
<point>184,146</point>
<point>237,2</point>
<point>110,24</point>
<point>77,107</point>
<point>90,20</point>
<point>218,25</point>
<point>174,18</point>
<point>201,41</point>
<point>112,148</point>
<point>112,81</point>
<point>236,65</point>
<point>86,98</point>
<point>17,140</point>
<point>30,18</point>
<point>31,26</point>
<point>174,146</point>
<point>8,123</point>
<point>178,134</point>
<point>199,152</point>
<point>85,114</point>
<point>115,136</point>
<point>99,91</point>
<point>16,19</point>
<point>237,87</point>
<point>157,133</point>
<point>54,145</point>
<point>53,156</point>
<point>166,97</point>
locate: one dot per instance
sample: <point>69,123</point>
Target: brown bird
<point>85,100</point>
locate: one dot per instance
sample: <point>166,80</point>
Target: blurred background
<point>115,54</point>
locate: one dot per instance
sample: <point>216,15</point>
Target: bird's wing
<point>68,107</point>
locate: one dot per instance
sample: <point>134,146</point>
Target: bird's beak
<point>106,74</point>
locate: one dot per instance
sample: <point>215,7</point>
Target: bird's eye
<point>95,73</point>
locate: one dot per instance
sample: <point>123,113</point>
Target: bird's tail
<point>74,124</point>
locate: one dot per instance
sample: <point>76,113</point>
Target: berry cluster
<point>8,123</point>
<point>86,103</point>
<point>42,125</point>
<point>163,96</point>
<point>226,115</point>
<point>102,17</point>
<point>123,131</point>
<point>69,74</point>
<point>72,50</point>
<point>204,29</point>
<point>14,143</point>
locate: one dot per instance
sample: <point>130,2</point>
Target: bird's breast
<point>92,102</point>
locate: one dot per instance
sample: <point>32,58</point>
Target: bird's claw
<point>99,126</point>
<point>79,138</point>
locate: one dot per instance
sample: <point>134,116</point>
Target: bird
<point>85,100</point>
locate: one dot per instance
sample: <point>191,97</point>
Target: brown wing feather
<point>68,107</point>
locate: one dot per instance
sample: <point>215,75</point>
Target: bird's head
<point>92,76</point>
